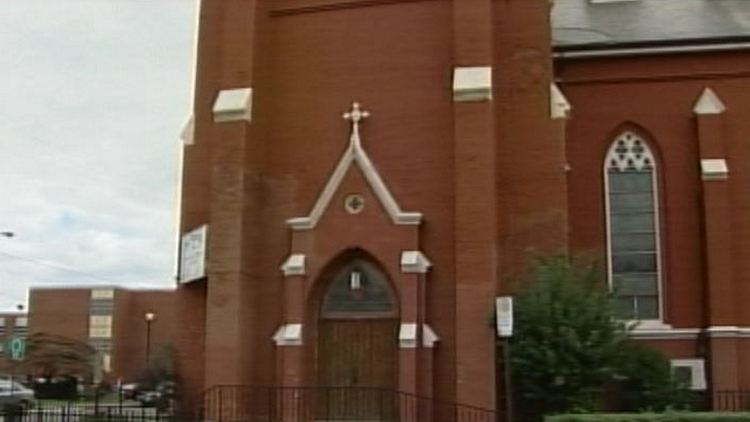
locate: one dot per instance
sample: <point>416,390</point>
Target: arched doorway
<point>357,339</point>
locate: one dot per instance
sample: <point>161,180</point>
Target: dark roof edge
<point>653,43</point>
<point>652,48</point>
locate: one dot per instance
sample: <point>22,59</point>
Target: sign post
<point>504,326</point>
<point>16,347</point>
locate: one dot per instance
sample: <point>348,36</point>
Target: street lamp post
<point>149,317</point>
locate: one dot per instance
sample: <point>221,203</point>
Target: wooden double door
<point>357,369</point>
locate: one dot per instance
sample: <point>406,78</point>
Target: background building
<point>112,320</point>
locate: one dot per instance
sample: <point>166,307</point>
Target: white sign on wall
<point>193,255</point>
<point>504,316</point>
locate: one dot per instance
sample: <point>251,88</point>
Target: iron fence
<point>731,401</point>
<point>303,404</point>
<point>78,412</point>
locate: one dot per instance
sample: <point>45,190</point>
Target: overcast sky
<point>93,95</point>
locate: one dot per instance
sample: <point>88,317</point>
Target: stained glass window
<point>633,225</point>
<point>359,289</point>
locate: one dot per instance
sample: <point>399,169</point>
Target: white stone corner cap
<point>414,262</point>
<point>233,105</point>
<point>188,131</point>
<point>294,265</point>
<point>429,338</point>
<point>709,103</point>
<point>407,336</point>
<point>714,169</point>
<point>559,106</point>
<point>472,84</point>
<point>288,335</point>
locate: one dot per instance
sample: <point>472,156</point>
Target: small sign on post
<point>16,347</point>
<point>504,325</point>
<point>504,316</point>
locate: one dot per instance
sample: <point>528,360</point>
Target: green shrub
<point>653,417</point>
<point>571,354</point>
<point>566,341</point>
<point>645,381</point>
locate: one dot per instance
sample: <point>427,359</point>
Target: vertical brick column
<point>409,334</point>
<point>475,196</point>
<point>290,352</point>
<point>720,288</point>
<point>224,328</point>
<point>531,161</point>
<point>414,268</point>
<point>235,160</point>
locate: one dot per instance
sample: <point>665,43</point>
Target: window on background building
<point>2,326</point>
<point>106,362</point>
<point>630,174</point>
<point>21,326</point>
<point>107,294</point>
<point>100,326</point>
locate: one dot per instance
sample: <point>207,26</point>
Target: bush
<point>567,341</point>
<point>645,381</point>
<point>653,417</point>
<point>570,353</point>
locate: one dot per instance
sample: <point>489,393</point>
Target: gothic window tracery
<point>633,227</point>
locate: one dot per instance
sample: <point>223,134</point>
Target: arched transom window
<point>630,174</point>
<point>359,290</point>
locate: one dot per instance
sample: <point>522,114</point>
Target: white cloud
<point>94,94</point>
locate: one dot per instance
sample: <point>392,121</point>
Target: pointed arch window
<point>359,290</point>
<point>633,254</point>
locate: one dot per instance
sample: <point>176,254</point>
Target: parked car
<point>129,391</point>
<point>13,393</point>
<point>160,397</point>
<point>149,398</point>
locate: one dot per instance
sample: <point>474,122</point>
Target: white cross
<point>355,116</point>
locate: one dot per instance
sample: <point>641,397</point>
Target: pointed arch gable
<point>634,252</point>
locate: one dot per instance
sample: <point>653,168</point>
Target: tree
<point>161,374</point>
<point>569,346</point>
<point>49,356</point>
<point>162,367</point>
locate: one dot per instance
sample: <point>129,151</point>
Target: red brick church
<point>362,178</point>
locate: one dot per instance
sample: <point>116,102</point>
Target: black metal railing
<point>731,400</point>
<point>302,404</point>
<point>79,412</point>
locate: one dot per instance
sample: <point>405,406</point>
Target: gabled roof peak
<point>355,154</point>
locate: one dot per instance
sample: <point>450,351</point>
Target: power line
<point>57,267</point>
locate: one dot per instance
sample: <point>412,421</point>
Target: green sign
<point>16,348</point>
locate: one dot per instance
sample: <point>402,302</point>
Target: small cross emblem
<point>354,204</point>
<point>355,116</point>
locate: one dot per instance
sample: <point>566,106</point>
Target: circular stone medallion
<point>354,203</point>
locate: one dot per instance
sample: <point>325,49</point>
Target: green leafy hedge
<point>653,417</point>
